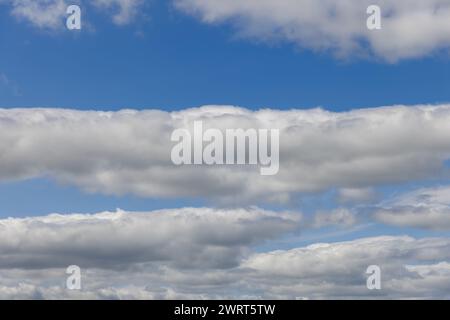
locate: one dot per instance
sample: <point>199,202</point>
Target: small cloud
<point>427,208</point>
<point>339,217</point>
<point>51,14</point>
<point>43,14</point>
<point>356,195</point>
<point>124,11</point>
<point>9,85</point>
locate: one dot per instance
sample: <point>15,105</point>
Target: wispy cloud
<point>10,85</point>
<point>410,28</point>
<point>51,14</point>
<point>45,14</point>
<point>124,11</point>
<point>427,208</point>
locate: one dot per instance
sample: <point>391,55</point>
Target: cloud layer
<point>186,237</point>
<point>337,270</point>
<point>411,268</point>
<point>128,152</point>
<point>427,208</point>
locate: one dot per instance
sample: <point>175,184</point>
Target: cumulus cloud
<point>411,268</point>
<point>129,152</point>
<point>410,28</point>
<point>186,237</point>
<point>25,291</point>
<point>427,208</point>
<point>337,270</point>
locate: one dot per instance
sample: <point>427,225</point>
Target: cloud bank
<point>188,237</point>
<point>128,152</point>
<point>411,268</point>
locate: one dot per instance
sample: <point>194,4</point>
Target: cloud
<point>125,10</point>
<point>427,208</point>
<point>51,14</point>
<point>25,291</point>
<point>10,85</point>
<point>128,152</point>
<point>337,270</point>
<point>411,268</point>
<point>46,14</point>
<point>355,195</point>
<point>337,217</point>
<point>4,80</point>
<point>188,237</point>
<point>410,28</point>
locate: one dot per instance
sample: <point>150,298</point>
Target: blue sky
<point>169,60</point>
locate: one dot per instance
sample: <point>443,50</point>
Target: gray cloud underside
<point>427,208</point>
<point>161,262</point>
<point>128,152</point>
<point>188,237</point>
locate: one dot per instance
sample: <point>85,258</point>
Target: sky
<point>86,176</point>
<point>168,60</point>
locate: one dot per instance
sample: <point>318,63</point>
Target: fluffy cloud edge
<point>185,237</point>
<point>129,151</point>
<point>339,28</point>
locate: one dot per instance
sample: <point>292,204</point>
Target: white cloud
<point>9,85</point>
<point>427,217</point>
<point>337,270</point>
<point>427,208</point>
<point>188,237</point>
<point>51,14</point>
<point>128,152</point>
<point>124,10</point>
<point>46,14</point>
<point>337,217</point>
<point>410,28</point>
<point>356,195</point>
<point>27,291</point>
<point>411,268</point>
